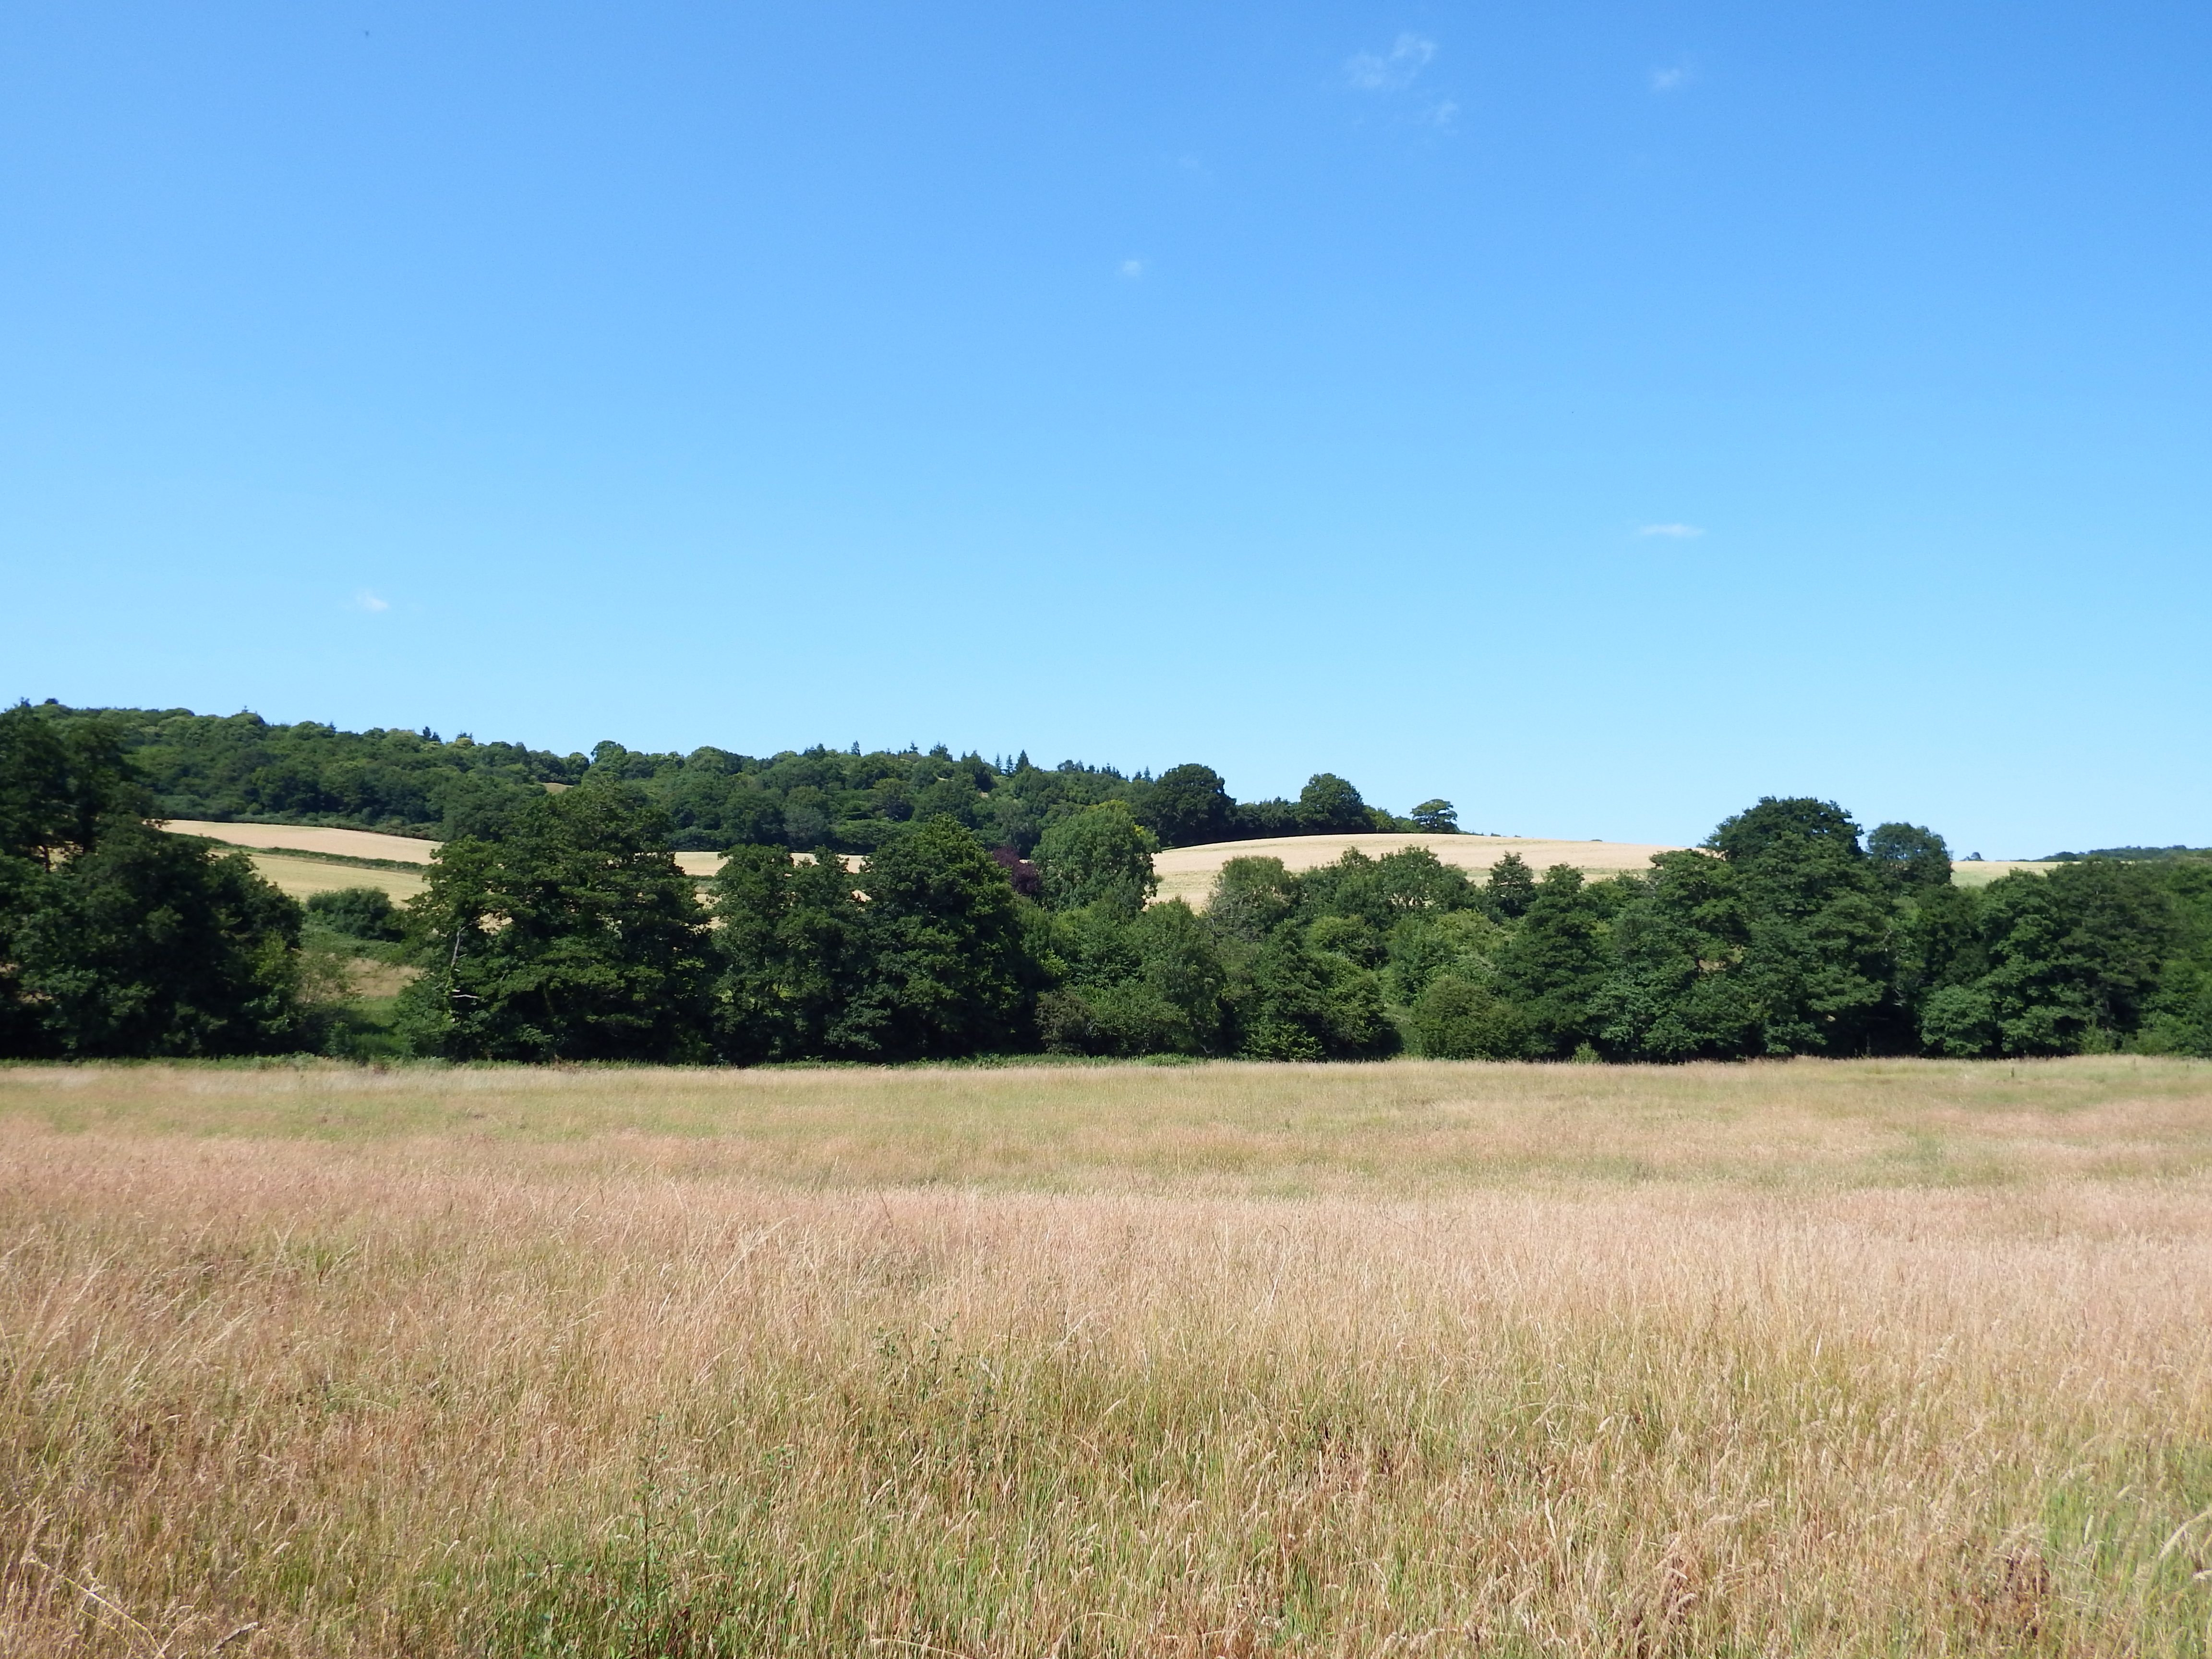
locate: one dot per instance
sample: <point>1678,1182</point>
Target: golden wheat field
<point>1859,1358</point>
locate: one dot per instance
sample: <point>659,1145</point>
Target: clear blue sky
<point>1598,414</point>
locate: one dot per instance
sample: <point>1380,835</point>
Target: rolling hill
<point>305,860</point>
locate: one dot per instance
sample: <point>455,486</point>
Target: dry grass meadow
<point>1869,1358</point>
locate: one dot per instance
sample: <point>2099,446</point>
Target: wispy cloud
<point>1678,533</point>
<point>1392,71</point>
<point>1671,79</point>
<point>365,600</point>
<point>1131,270</point>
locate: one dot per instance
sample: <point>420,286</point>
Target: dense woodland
<point>565,931</point>
<point>238,767</point>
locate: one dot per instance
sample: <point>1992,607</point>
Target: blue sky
<point>1601,415</point>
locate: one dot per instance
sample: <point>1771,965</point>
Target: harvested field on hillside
<point>1188,872</point>
<point>1812,1357</point>
<point>304,878</point>
<point>1185,873</point>
<point>341,843</point>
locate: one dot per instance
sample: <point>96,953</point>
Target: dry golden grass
<point>1870,1358</point>
<point>307,838</point>
<point>1188,872</point>
<point>304,878</point>
<point>1980,872</point>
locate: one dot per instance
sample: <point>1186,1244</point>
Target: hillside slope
<point>1185,873</point>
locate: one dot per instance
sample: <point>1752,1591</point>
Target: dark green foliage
<point>241,766</point>
<point>1816,964</point>
<point>1791,825</point>
<point>1263,820</point>
<point>1908,856</point>
<point>362,913</point>
<point>1328,806</point>
<point>792,953</point>
<point>60,783</point>
<point>1554,964</point>
<point>949,971</point>
<point>1677,992</point>
<point>1152,984</point>
<point>1455,1018</point>
<point>2175,853</point>
<point>2178,1018</point>
<point>2073,956</point>
<point>1188,807</point>
<point>1296,1002</point>
<point>1510,888</point>
<point>1099,855</point>
<point>1412,881</point>
<point>117,940</point>
<point>1461,943</point>
<point>1435,817</point>
<point>146,945</point>
<point>1252,896</point>
<point>575,937</point>
<point>1938,940</point>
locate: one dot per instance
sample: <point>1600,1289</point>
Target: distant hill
<point>241,768</point>
<point>305,859</point>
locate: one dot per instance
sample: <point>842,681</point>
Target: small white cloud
<point>1678,533</point>
<point>1132,270</point>
<point>1670,79</point>
<point>1445,116</point>
<point>365,600</point>
<point>1391,70</point>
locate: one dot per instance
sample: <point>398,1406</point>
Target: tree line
<point>570,933</point>
<point>241,768</point>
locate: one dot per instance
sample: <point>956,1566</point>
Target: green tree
<point>1188,807</point>
<point>1296,1002</point>
<point>1411,881</point>
<point>60,785</point>
<point>1510,888</point>
<point>2074,956</point>
<point>1674,993</point>
<point>791,955</point>
<point>1425,945</point>
<point>117,940</point>
<point>1435,817</point>
<point>1818,958</point>
<point>1100,856</point>
<point>147,945</point>
<point>362,912</point>
<point>2177,1018</point>
<point>1552,967</point>
<point>1910,857</point>
<point>1456,1018</point>
<point>1328,806</point>
<point>1252,896</point>
<point>949,969</point>
<point>575,937</point>
<point>1150,984</point>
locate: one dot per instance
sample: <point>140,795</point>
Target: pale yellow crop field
<point>1980,872</point>
<point>1861,1358</point>
<point>1185,873</point>
<point>345,843</point>
<point>304,878</point>
<point>1188,872</point>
